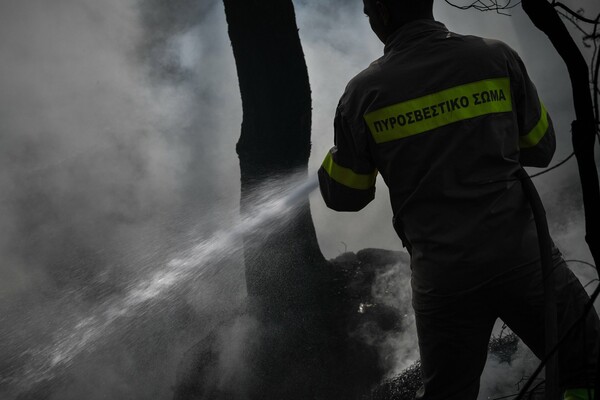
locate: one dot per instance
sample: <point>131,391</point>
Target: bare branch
<point>578,15</point>
<point>488,5</point>
<point>590,39</point>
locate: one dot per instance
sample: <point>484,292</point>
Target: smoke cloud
<point>118,124</point>
<point>112,162</point>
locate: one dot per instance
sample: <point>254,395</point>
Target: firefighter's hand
<point>542,14</point>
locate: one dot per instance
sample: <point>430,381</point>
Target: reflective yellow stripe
<point>438,109</point>
<point>579,394</point>
<point>347,177</point>
<point>538,131</point>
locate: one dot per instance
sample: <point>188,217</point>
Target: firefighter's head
<point>386,16</point>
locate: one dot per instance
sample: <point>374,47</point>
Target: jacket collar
<point>411,31</point>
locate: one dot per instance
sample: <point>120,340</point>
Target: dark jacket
<point>447,120</point>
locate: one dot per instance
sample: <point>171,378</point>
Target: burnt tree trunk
<point>275,140</point>
<point>545,18</point>
<point>285,270</point>
<point>309,347</point>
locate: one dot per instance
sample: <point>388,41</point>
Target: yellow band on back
<point>347,177</point>
<point>439,109</point>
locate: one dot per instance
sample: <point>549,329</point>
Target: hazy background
<point>118,124</point>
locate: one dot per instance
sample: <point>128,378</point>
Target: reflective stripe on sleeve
<point>538,131</point>
<point>579,394</point>
<point>346,176</point>
<point>439,109</point>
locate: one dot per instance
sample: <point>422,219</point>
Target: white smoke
<point>108,169</point>
<point>118,124</point>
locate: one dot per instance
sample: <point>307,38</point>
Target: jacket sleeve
<point>347,175</point>
<point>537,140</point>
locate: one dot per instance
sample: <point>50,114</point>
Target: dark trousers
<point>454,330</point>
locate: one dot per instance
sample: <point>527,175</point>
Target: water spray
<point>274,202</point>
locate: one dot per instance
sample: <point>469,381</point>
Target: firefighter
<point>448,121</point>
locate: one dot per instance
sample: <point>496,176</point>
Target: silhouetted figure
<point>449,121</point>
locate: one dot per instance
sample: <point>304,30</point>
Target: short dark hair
<point>411,7</point>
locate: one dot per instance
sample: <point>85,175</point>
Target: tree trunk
<point>545,18</point>
<point>275,140</point>
<point>285,270</point>
<point>304,349</point>
<point>548,21</point>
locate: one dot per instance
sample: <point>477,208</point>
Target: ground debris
<point>401,387</point>
<point>405,385</point>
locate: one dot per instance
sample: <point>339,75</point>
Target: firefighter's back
<point>441,111</point>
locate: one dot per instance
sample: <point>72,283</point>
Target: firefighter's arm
<point>347,175</point>
<point>537,140</point>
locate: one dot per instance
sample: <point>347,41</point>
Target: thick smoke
<point>118,124</point>
<point>392,288</point>
<point>112,161</point>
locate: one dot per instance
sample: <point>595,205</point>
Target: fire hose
<point>552,389</point>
